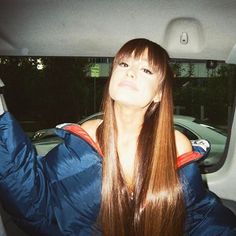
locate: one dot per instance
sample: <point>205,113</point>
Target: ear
<point>158,97</point>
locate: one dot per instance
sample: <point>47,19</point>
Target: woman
<point>128,174</point>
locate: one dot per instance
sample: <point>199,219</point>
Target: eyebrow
<point>137,58</point>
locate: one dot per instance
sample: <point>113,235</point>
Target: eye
<point>147,71</point>
<point>123,64</point>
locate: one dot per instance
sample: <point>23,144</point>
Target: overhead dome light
<point>184,38</point>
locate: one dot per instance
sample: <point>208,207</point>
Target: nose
<point>131,73</point>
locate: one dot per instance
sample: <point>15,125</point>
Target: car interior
<point>202,31</point>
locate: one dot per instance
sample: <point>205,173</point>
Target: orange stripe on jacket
<point>187,158</point>
<point>79,131</point>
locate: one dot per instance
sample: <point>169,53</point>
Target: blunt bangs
<point>157,56</point>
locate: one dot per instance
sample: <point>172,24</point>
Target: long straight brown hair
<point>157,207</point>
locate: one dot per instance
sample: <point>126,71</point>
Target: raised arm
<point>23,186</point>
<point>58,194</point>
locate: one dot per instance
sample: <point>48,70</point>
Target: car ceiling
<point>99,28</point>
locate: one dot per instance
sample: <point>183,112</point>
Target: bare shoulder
<point>91,126</point>
<point>183,144</point>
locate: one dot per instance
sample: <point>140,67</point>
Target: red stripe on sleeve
<point>187,158</point>
<point>78,130</point>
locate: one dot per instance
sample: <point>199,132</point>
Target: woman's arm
<point>58,194</point>
<point>205,214</point>
<point>24,190</point>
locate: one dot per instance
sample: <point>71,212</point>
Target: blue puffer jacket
<point>60,194</point>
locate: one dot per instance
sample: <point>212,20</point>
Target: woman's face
<point>134,82</point>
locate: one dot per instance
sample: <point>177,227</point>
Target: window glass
<point>205,91</point>
<point>190,135</point>
<point>42,92</point>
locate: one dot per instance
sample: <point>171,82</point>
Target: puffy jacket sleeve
<point>24,190</point>
<point>205,214</point>
<point>58,194</point>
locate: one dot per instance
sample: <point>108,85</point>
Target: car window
<point>221,130</point>
<point>190,135</point>
<point>54,90</point>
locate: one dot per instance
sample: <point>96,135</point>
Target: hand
<point>3,106</point>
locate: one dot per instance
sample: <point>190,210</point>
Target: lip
<point>129,84</point>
